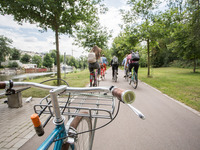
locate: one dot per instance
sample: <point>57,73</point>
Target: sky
<point>27,37</point>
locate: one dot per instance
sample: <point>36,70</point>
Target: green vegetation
<point>61,16</point>
<point>77,79</point>
<point>169,36</point>
<point>15,54</point>
<point>179,83</point>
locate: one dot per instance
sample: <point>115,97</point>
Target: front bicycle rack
<point>96,105</point>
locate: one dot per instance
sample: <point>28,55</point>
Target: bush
<point>13,65</point>
<point>182,64</point>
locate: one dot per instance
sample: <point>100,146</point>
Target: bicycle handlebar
<point>126,96</point>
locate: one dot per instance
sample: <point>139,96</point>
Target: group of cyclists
<point>101,62</point>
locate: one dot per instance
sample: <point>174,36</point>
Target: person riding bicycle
<point>124,64</point>
<point>133,61</point>
<point>93,60</point>
<point>104,61</point>
<point>114,64</point>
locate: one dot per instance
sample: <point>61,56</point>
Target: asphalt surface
<point>169,125</point>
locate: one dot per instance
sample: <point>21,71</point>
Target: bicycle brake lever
<point>137,112</point>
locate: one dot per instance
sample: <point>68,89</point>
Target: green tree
<point>123,44</point>
<point>25,59</point>
<point>48,61</point>
<point>85,62</point>
<point>91,34</point>
<point>4,47</point>
<point>13,65</point>
<point>53,55</point>
<point>15,54</point>
<point>142,9</point>
<point>37,60</point>
<point>186,32</point>
<point>72,62</point>
<point>62,16</point>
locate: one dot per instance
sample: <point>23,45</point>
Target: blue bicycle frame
<point>61,130</point>
<point>134,79</point>
<point>134,76</point>
<point>58,132</point>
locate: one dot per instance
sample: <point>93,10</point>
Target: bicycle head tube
<point>54,99</point>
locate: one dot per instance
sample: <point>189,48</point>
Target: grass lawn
<point>77,79</point>
<point>179,83</point>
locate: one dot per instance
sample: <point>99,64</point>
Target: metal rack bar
<point>97,106</point>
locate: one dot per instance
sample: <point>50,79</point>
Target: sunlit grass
<point>78,79</point>
<point>179,83</point>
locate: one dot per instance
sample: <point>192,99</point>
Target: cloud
<point>112,19</point>
<point>30,39</point>
<point>8,21</point>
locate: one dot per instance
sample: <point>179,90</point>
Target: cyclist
<point>124,64</point>
<point>93,60</point>
<point>104,61</point>
<point>133,62</point>
<point>114,64</point>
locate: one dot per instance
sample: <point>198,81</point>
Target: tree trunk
<point>194,69</point>
<point>58,57</point>
<point>148,53</point>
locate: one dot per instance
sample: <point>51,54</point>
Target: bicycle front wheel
<point>115,76</point>
<point>126,75</point>
<point>104,75</point>
<point>91,80</point>
<point>84,141</point>
<point>134,82</point>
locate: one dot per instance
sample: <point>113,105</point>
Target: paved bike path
<point>168,125</point>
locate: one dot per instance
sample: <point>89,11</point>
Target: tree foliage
<point>53,55</point>
<point>26,58</point>
<point>4,47</point>
<point>15,54</point>
<point>48,61</point>
<point>37,60</point>
<point>13,65</point>
<point>142,9</point>
<point>91,34</point>
<point>123,44</point>
<point>62,16</point>
<point>171,34</point>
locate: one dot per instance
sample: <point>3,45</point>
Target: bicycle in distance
<point>115,75</point>
<point>74,112</point>
<point>133,81</point>
<point>103,71</point>
<point>93,78</point>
